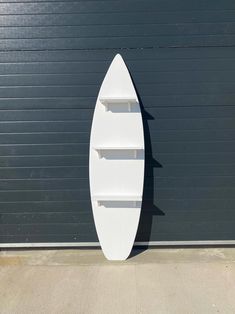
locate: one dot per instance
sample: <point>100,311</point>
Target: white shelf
<point>99,149</point>
<point>116,198</point>
<point>119,197</point>
<point>118,147</point>
<point>106,101</point>
<point>118,100</point>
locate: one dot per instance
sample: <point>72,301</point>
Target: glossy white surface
<point>116,166</point>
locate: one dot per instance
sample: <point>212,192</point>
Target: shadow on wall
<point>148,208</point>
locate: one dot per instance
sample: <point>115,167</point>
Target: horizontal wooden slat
<point>200,227</point>
<point>117,42</point>
<point>85,125</point>
<point>79,216</point>
<point>160,183</point>
<point>83,194</point>
<point>153,30</point>
<point>49,103</point>
<point>206,78</point>
<point>38,138</point>
<point>40,115</point>
<point>105,56</point>
<point>166,170</point>
<point>153,114</point>
<point>51,79</point>
<point>60,238</point>
<point>44,172</point>
<point>61,126</point>
<point>192,182</point>
<point>46,218</point>
<point>43,161</point>
<point>82,160</point>
<point>113,6</point>
<point>191,236</point>
<point>136,66</point>
<point>43,149</point>
<point>166,79</point>
<point>196,158</point>
<point>45,206</point>
<point>192,124</point>
<point>226,89</point>
<point>192,170</point>
<point>149,207</point>
<point>83,137</point>
<point>40,184</point>
<point>155,148</point>
<point>46,229</point>
<point>177,17</point>
<point>72,228</point>
<point>160,207</point>
<point>189,112</point>
<point>88,102</point>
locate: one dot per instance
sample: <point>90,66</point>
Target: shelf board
<point>101,149</point>
<point>127,101</point>
<point>118,100</point>
<point>118,147</point>
<point>117,198</point>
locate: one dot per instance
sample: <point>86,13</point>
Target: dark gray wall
<point>53,57</point>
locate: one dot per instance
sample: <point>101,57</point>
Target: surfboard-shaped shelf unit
<point>109,101</point>
<point>116,162</point>
<point>102,149</point>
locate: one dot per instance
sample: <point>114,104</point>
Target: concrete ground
<point>158,281</point>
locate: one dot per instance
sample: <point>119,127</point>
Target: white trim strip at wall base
<point>96,244</point>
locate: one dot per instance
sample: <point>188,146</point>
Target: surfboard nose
<point>118,59</point>
<point>118,56</point>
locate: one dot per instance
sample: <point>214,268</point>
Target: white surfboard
<point>116,165</point>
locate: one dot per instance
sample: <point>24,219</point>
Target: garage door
<point>53,57</point>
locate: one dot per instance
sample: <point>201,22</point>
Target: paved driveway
<point>155,281</point>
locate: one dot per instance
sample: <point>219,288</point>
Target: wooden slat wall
<point>53,57</point>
